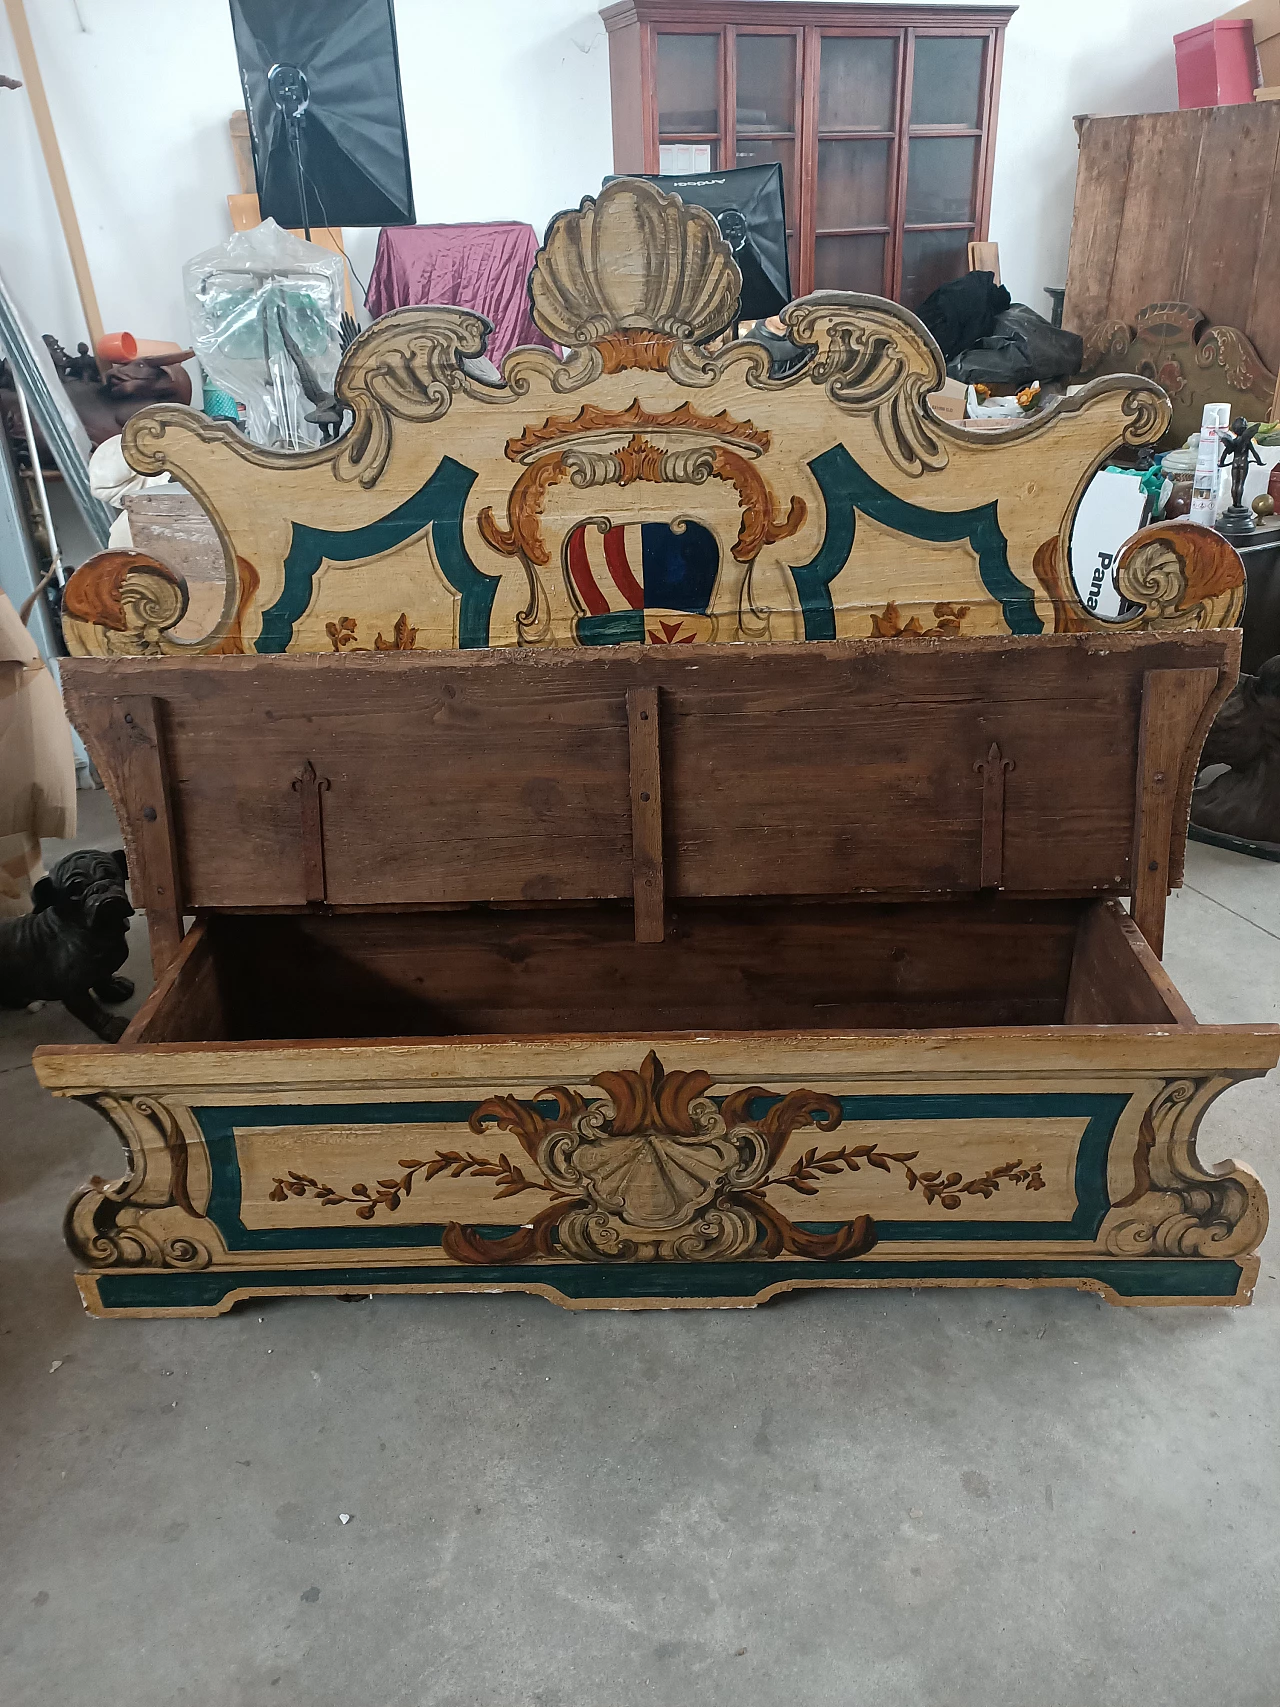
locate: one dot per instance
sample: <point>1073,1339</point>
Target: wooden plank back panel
<point>1234,187</point>
<point>1102,178</point>
<point>462,785</point>
<point>1179,207</point>
<point>784,770</point>
<point>135,741</point>
<point>439,790</point>
<point>843,789</point>
<point>1151,239</point>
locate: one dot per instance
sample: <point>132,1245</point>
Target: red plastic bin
<point>1216,63</point>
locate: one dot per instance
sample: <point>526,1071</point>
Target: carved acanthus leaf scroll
<point>1105,345</point>
<point>1147,413</point>
<point>1182,575</point>
<point>126,604</point>
<point>877,361</point>
<point>106,1222</point>
<point>404,367</point>
<point>134,598</point>
<point>654,1171</point>
<point>638,459</point>
<point>1178,1207</point>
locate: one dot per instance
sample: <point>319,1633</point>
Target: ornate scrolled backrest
<point>647,487</point>
<point>1196,362</point>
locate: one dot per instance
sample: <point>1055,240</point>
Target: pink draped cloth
<point>484,267</point>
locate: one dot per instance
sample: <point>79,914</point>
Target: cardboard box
<point>1265,18</point>
<point>948,404</point>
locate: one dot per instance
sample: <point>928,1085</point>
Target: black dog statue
<point>67,950</point>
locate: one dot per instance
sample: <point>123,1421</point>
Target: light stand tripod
<point>292,94</point>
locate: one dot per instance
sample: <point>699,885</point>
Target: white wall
<point>1064,57</point>
<point>507,103</point>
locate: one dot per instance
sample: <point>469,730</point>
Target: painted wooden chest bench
<point>678,856</point>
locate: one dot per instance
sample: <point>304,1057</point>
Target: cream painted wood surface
<point>827,1175</point>
<point>362,1069</point>
<point>344,1155</point>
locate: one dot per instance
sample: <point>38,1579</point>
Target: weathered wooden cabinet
<point>708,881</point>
<point>882,118</point>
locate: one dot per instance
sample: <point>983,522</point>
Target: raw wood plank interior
<point>767,966</point>
<point>1116,978</point>
<point>187,1000</point>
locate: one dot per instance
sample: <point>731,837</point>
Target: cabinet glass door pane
<point>766,84</point>
<point>688,85</point>
<point>849,263</point>
<point>762,151</point>
<point>853,184</point>
<point>940,179</point>
<point>930,259</point>
<point>857,82</point>
<point>946,83</point>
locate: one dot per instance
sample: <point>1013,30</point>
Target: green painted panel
<point>846,489</point>
<point>1141,1277</point>
<point>1101,1111</point>
<point>437,504</point>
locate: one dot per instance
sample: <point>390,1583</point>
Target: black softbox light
<point>747,203</point>
<point>350,127</point>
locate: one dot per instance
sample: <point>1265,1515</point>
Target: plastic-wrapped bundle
<point>1023,347</point>
<point>265,311</point>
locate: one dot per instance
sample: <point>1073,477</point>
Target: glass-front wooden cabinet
<point>882,117</point>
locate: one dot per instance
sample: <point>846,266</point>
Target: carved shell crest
<point>633,258</point>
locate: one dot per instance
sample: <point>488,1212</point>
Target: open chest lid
<point>890,769</point>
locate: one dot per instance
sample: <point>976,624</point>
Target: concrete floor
<point>998,1498</point>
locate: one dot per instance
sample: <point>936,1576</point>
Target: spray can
<point>1215,420</point>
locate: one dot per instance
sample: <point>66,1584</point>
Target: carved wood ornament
<point>1195,362</point>
<point>647,487</point>
<point>655,1170</point>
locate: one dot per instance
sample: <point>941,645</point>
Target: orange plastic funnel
<point>117,347</point>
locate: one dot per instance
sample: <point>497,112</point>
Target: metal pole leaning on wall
<point>30,376</point>
<point>19,565</point>
<point>57,171</point>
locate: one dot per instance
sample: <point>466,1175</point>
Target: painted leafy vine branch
<point>935,1186</point>
<point>389,1193</point>
<point>655,1170</point>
